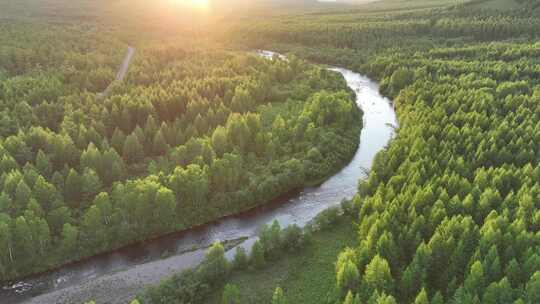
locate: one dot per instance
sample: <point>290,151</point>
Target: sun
<point>198,4</point>
<point>202,4</point>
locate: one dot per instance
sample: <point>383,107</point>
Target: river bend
<point>117,276</point>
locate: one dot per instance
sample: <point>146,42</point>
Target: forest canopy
<point>194,133</point>
<point>202,128</point>
<point>450,212</point>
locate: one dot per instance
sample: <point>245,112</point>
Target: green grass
<point>306,276</point>
<point>400,6</point>
<point>497,4</point>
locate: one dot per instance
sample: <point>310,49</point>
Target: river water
<point>117,276</point>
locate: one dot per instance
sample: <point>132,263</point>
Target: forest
<point>450,211</point>
<point>456,191</point>
<point>191,135</point>
<point>205,128</point>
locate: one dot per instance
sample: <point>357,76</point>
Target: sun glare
<point>198,4</point>
<point>201,3</point>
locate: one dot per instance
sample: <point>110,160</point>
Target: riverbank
<point>263,178</point>
<point>116,278</point>
<point>347,145</point>
<point>306,276</point>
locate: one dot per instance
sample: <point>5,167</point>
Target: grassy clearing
<point>501,5</point>
<point>400,6</point>
<point>307,276</point>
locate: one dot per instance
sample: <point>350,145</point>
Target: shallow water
<point>117,276</point>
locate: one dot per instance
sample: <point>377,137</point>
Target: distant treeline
<point>450,212</point>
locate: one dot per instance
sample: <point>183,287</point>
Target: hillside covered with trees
<point>202,128</point>
<point>449,212</point>
<point>194,133</point>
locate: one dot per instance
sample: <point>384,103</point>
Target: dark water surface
<point>117,276</point>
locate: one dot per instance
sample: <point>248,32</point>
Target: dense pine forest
<point>202,128</point>
<point>191,135</point>
<point>450,212</point>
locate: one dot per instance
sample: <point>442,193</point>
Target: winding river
<point>117,276</point>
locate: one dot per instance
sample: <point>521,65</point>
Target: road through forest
<point>122,71</point>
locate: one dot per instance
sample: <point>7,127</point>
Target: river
<point>117,276</point>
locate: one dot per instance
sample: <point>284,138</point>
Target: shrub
<point>327,218</point>
<point>231,294</point>
<point>215,266</point>
<point>348,207</point>
<point>257,255</point>
<point>292,238</point>
<point>240,258</point>
<point>278,297</point>
<point>185,287</point>
<point>271,239</point>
